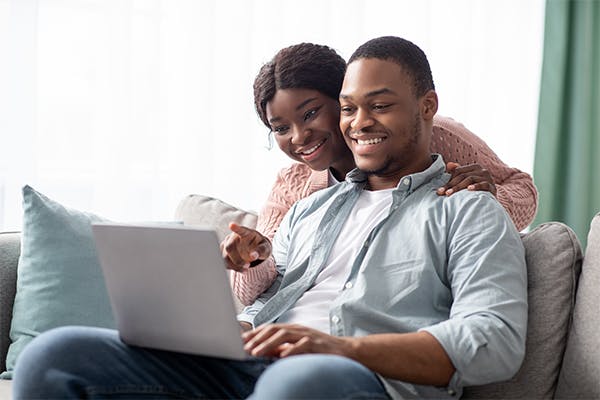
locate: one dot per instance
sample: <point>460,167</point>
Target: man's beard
<point>409,147</point>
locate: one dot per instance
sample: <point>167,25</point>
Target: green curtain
<point>567,154</point>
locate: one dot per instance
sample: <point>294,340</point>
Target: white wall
<point>122,107</point>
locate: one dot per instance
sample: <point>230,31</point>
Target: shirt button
<point>348,285</point>
<point>451,392</point>
<point>335,319</point>
<point>406,182</point>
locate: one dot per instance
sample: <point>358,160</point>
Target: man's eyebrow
<point>298,107</point>
<point>372,93</point>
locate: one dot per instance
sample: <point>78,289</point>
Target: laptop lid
<point>169,288</point>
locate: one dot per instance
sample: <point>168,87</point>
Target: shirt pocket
<point>394,285</point>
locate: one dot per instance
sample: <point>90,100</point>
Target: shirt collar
<point>409,182</point>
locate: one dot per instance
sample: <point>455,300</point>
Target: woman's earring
<point>269,145</point>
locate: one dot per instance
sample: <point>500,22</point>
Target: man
<point>386,290</point>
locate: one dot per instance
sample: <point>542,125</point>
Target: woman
<point>296,97</point>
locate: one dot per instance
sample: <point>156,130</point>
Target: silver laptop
<point>169,288</point>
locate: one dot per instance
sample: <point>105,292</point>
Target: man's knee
<point>55,355</point>
<point>317,376</point>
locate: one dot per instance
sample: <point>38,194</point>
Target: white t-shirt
<point>312,308</point>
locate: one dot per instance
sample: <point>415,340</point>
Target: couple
<point>384,289</point>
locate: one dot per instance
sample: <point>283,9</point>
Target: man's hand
<point>470,177</point>
<point>245,326</point>
<point>243,246</point>
<point>282,340</point>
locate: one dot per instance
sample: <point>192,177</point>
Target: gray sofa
<point>563,341</point>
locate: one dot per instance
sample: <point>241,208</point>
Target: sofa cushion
<point>59,281</point>
<point>207,211</point>
<point>553,257</point>
<point>580,375</point>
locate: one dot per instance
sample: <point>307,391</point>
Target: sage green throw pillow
<point>59,280</point>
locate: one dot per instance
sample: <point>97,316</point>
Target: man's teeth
<point>369,141</point>
<point>312,149</point>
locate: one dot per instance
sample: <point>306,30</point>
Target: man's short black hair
<point>404,53</point>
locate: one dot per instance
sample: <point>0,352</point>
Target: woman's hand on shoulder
<point>471,177</point>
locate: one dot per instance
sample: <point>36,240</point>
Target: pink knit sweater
<point>515,191</point>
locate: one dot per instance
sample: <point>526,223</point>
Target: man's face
<point>381,119</point>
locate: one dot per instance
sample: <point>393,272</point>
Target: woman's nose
<point>300,134</point>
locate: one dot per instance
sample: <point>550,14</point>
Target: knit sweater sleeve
<point>292,184</point>
<point>515,189</point>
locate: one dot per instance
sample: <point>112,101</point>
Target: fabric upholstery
<point>580,376</point>
<point>213,213</point>
<point>9,255</point>
<point>59,281</point>
<point>553,256</point>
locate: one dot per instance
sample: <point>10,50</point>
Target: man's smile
<point>369,141</point>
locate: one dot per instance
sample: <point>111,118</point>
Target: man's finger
<point>302,346</point>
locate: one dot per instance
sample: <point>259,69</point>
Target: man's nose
<point>362,119</point>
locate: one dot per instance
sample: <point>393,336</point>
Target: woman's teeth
<point>312,149</point>
<point>369,141</point>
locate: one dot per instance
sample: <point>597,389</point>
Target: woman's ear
<point>429,105</point>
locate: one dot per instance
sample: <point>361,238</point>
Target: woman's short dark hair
<point>301,66</point>
<point>404,53</point>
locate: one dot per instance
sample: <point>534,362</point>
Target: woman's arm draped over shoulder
<point>292,184</point>
<point>515,189</point>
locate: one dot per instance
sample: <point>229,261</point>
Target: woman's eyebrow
<point>305,102</point>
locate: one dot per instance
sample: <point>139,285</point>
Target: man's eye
<point>280,130</point>
<point>346,109</point>
<point>380,107</point>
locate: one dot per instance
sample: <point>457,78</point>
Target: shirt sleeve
<point>487,276</point>
<point>515,189</point>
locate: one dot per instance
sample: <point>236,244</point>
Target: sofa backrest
<point>207,211</point>
<point>580,374</point>
<point>553,255</point>
<point>9,255</point>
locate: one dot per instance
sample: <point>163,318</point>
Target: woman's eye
<point>280,130</point>
<point>309,114</point>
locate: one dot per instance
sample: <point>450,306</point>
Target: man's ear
<point>429,105</point>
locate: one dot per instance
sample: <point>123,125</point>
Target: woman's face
<point>305,124</point>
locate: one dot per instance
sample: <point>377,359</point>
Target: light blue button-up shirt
<point>452,266</point>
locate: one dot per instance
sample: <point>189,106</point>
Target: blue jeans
<point>81,362</point>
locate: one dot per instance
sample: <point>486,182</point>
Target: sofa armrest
<point>10,248</point>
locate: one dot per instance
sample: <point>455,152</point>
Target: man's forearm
<point>412,357</point>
